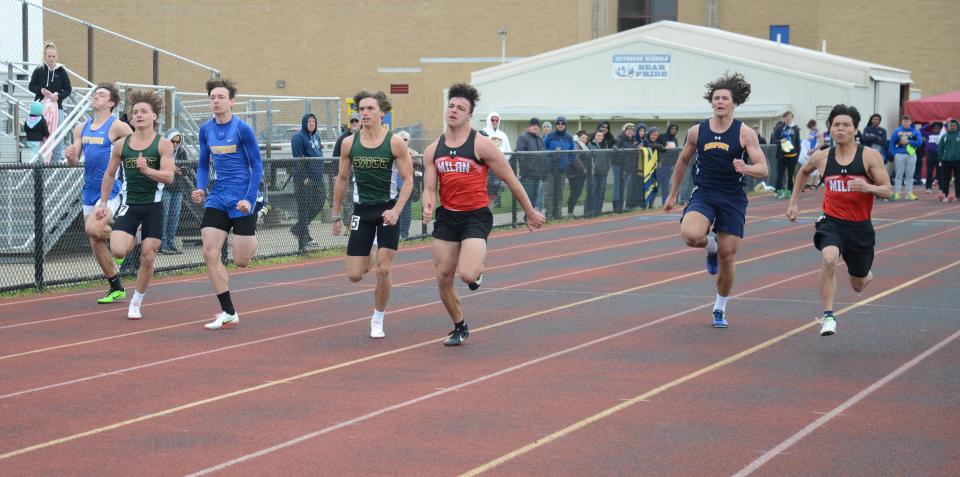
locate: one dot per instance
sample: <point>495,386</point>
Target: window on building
<point>782,31</point>
<point>637,13</point>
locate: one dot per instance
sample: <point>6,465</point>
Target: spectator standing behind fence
<point>669,138</point>
<point>763,140</point>
<point>547,169</point>
<point>172,198</point>
<point>354,126</point>
<point>35,127</point>
<point>949,149</point>
<point>501,140</point>
<point>624,161</point>
<point>530,166</point>
<point>786,136</point>
<point>307,180</point>
<point>558,165</point>
<point>931,136</point>
<point>50,82</point>
<point>577,172</point>
<point>904,142</point>
<point>597,185</point>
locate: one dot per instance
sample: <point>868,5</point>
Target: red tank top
<point>838,200</point>
<point>463,178</point>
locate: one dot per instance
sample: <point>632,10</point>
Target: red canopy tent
<point>933,108</point>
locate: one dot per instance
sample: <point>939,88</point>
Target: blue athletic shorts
<point>727,212</point>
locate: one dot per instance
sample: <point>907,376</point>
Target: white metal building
<point>656,74</point>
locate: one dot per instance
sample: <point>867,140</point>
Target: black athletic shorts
<point>147,217</point>
<point>218,219</point>
<point>854,239</point>
<point>455,226</point>
<point>367,223</point>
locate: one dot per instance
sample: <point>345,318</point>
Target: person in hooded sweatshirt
<point>172,198</point>
<point>307,179</point>
<point>669,138</point>
<point>949,151</point>
<point>931,138</point>
<point>903,145</point>
<point>35,127</point>
<point>51,82</point>
<point>501,140</point>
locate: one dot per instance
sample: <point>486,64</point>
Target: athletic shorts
<point>727,212</point>
<point>147,217</point>
<point>113,204</point>
<point>456,226</point>
<point>366,224</point>
<point>219,219</point>
<point>854,239</point>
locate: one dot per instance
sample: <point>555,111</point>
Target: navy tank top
<point>713,171</point>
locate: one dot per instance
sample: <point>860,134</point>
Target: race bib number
<point>122,210</point>
<point>355,222</point>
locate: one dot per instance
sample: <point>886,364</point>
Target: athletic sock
<point>114,282</point>
<point>137,298</point>
<point>460,326</point>
<point>828,314</point>
<point>378,315</point>
<point>721,303</point>
<point>226,304</point>
<point>711,244</point>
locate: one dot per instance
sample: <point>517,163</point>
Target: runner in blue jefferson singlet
<point>93,142</point>
<point>232,202</point>
<point>718,200</point>
<point>147,161</point>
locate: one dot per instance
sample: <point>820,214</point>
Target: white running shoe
<point>223,320</point>
<point>133,313</point>
<point>376,328</point>
<point>829,327</point>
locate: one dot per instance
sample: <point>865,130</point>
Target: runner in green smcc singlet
<point>375,157</point>
<point>147,161</point>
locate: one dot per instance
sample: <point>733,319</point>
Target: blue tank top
<point>713,171</point>
<point>96,152</point>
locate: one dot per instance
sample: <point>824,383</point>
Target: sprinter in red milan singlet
<point>854,175</point>
<point>459,161</point>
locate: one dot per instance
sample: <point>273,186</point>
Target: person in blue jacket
<point>904,142</point>
<point>307,179</point>
<point>232,202</point>
<point>557,140</point>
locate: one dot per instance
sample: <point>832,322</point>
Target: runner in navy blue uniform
<point>718,199</point>
<point>854,175</point>
<point>232,203</point>
<point>94,140</point>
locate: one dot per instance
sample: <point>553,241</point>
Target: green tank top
<point>374,176</point>
<point>140,188</point>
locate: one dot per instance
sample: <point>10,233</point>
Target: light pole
<point>503,45</point>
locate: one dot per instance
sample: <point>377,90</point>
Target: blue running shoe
<point>718,320</point>
<point>713,265</point>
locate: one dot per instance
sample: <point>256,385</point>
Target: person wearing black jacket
<point>50,81</point>
<point>531,167</point>
<point>786,135</point>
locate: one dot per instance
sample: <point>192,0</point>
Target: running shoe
<point>912,196</point>
<point>713,265</point>
<point>376,328</point>
<point>223,320</point>
<point>457,336</point>
<point>718,320</point>
<point>113,296</point>
<point>133,313</point>
<point>475,285</point>
<point>942,197</point>
<point>829,327</point>
<point>895,196</point>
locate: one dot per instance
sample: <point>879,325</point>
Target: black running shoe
<point>475,285</point>
<point>457,336</point>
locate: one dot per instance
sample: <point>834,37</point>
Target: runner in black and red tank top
<point>459,161</point>
<point>854,175</point>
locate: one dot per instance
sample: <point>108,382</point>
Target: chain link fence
<point>42,243</point>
